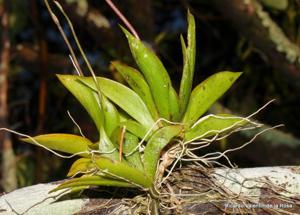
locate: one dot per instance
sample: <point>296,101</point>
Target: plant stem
<point>82,54</point>
<point>56,21</point>
<point>154,207</point>
<point>154,201</point>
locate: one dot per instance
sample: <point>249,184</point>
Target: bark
<point>249,18</point>
<point>216,191</point>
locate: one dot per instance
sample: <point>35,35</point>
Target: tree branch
<point>249,18</point>
<point>263,190</point>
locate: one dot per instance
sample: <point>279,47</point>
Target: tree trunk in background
<point>43,71</point>
<point>8,165</point>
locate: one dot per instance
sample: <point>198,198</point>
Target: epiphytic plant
<point>145,128</point>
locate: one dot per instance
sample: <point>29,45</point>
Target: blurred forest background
<point>261,38</point>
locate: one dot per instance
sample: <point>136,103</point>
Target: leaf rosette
<point>136,122</point>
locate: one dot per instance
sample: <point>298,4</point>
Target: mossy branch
<point>254,23</point>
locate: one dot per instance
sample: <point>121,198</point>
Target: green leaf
<point>124,97</point>
<point>211,125</point>
<point>85,96</point>
<point>106,147</point>
<point>206,93</point>
<point>154,71</point>
<point>130,143</point>
<point>111,116</point>
<point>124,172</point>
<point>183,48</point>
<point>77,191</point>
<point>137,82</point>
<point>189,55</point>
<point>67,143</point>
<point>135,128</point>
<point>88,97</point>
<point>80,165</point>
<point>174,105</point>
<point>90,181</point>
<point>156,143</point>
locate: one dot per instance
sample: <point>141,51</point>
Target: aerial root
<point>215,192</point>
<point>184,151</point>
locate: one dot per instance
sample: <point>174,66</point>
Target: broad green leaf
<point>111,116</point>
<point>106,147</point>
<point>85,96</point>
<point>89,99</point>
<point>90,181</point>
<point>124,97</point>
<point>135,128</point>
<point>80,165</point>
<point>124,172</point>
<point>137,82</point>
<point>206,93</point>
<point>130,143</point>
<point>189,55</point>
<point>67,143</point>
<point>174,105</point>
<point>156,143</point>
<point>154,71</point>
<point>214,124</point>
<point>127,144</point>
